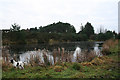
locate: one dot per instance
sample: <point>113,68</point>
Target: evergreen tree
<point>15,27</point>
<point>88,30</point>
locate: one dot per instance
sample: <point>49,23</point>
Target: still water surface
<point>25,51</point>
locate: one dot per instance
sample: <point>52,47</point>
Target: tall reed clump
<point>85,56</point>
<point>54,55</point>
<point>68,57</point>
<point>31,60</point>
<point>5,60</point>
<point>63,50</point>
<point>59,55</point>
<point>108,45</point>
<point>34,60</point>
<point>46,60</point>
<point>91,56</point>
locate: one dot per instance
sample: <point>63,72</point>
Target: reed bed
<point>60,55</point>
<point>108,45</point>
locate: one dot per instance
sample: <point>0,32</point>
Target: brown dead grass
<point>107,45</point>
<point>99,61</point>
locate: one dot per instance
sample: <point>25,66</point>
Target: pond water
<point>24,52</point>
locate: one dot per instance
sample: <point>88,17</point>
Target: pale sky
<point>35,13</point>
<point>119,18</point>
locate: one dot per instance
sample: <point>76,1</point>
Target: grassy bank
<point>100,67</point>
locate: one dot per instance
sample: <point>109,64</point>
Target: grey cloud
<point>31,13</point>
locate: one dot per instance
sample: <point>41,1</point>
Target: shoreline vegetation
<point>106,66</point>
<point>55,33</point>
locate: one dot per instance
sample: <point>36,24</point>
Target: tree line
<point>55,33</point>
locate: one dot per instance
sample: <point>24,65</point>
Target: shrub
<point>76,66</point>
<point>109,46</point>
<point>91,56</point>
<point>106,51</point>
<point>102,60</point>
<point>34,60</point>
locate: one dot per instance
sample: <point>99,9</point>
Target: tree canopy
<point>15,27</point>
<point>58,28</point>
<point>87,30</point>
<point>56,32</point>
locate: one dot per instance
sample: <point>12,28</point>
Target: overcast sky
<point>35,13</point>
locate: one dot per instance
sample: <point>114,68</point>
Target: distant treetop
<point>58,27</point>
<point>15,27</point>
